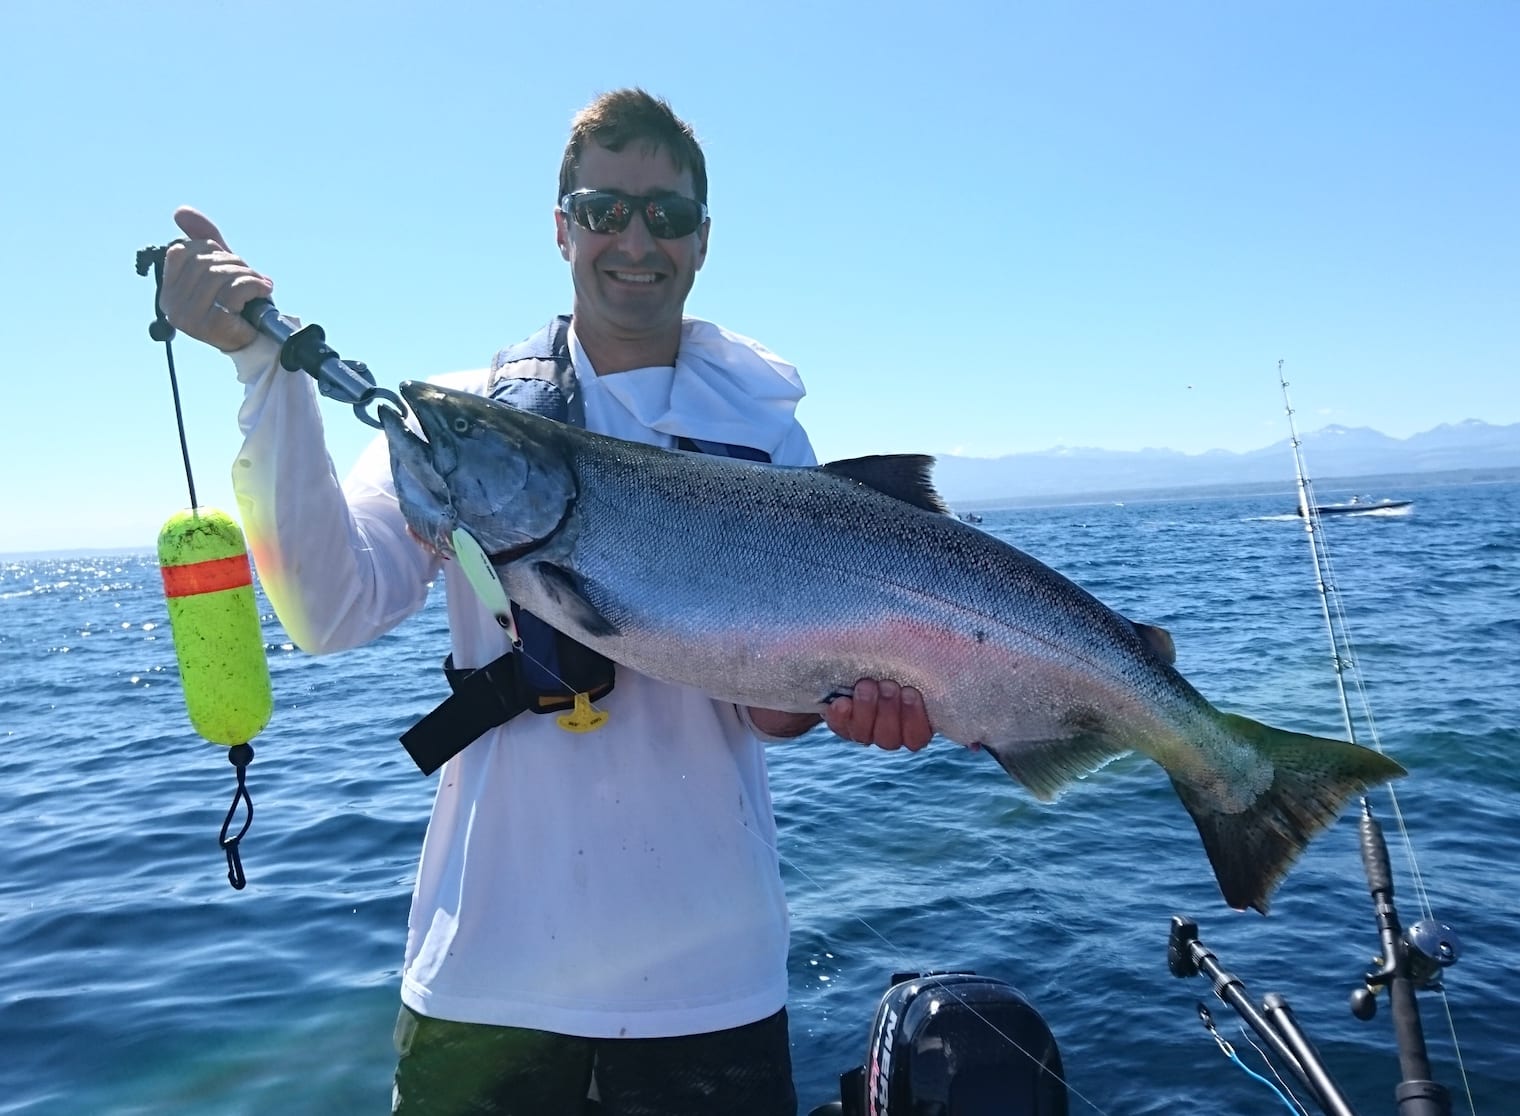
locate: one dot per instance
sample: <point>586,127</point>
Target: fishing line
<point>1289,1102</point>
<point>583,702</point>
<point>1284,1087</point>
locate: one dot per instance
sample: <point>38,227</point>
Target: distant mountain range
<point>1334,451</point>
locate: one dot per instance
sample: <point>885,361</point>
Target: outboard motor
<point>954,1044</point>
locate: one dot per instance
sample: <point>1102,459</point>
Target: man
<point>605,904</point>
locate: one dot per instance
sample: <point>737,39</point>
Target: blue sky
<point>975,228</point>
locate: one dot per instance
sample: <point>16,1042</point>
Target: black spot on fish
<point>981,636</point>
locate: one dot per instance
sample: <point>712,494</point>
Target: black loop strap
<point>240,755</point>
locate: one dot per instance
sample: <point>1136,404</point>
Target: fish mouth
<point>421,487</point>
<point>400,436</point>
<point>429,406</point>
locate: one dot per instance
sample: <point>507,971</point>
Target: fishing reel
<point>1428,949</point>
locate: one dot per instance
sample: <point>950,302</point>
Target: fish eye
<point>461,425</point>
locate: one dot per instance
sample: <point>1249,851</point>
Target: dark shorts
<point>447,1069</point>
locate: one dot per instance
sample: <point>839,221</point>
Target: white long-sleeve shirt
<point>620,883</point>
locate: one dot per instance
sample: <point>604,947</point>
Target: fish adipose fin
<point>904,476</point>
<point>1159,640</point>
<point>1312,780</point>
<point>1046,767</point>
<point>569,591</point>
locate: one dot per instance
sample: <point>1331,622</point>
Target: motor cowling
<point>955,1044</point>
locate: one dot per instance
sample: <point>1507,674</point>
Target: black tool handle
<point>306,349</point>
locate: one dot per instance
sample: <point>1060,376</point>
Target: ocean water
<point>134,980</point>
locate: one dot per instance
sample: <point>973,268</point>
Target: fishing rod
<point>1308,508</point>
<point>1410,960</point>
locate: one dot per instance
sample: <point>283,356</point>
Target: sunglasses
<point>667,216</point>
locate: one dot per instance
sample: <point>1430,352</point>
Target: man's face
<point>630,284</point>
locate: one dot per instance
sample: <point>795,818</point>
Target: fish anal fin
<point>1046,767</point>
<point>1159,640</point>
<point>903,476</point>
<point>1313,778</point>
<point>571,593</point>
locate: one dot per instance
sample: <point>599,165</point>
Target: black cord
<point>240,755</point>
<point>161,329</point>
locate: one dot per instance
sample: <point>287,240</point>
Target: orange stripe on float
<point>207,577</point>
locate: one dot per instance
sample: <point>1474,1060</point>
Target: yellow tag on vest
<point>583,718</point>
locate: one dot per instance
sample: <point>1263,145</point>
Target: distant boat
<point>970,517</point>
<point>1357,505</point>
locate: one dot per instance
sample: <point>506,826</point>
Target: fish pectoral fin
<point>903,476</point>
<point>570,591</point>
<point>1046,767</point>
<point>1159,640</point>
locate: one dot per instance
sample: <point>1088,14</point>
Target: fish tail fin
<point>1312,779</point>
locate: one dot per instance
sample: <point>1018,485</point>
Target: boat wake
<point>1370,511</point>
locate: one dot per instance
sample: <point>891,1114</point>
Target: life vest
<point>534,375</point>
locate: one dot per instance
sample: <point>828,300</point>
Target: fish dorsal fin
<point>1159,640</point>
<point>904,476</point>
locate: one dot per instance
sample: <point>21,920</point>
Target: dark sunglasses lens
<point>673,217</point>
<point>601,213</point>
<point>668,218</point>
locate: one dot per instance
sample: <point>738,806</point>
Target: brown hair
<point>624,116</point>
